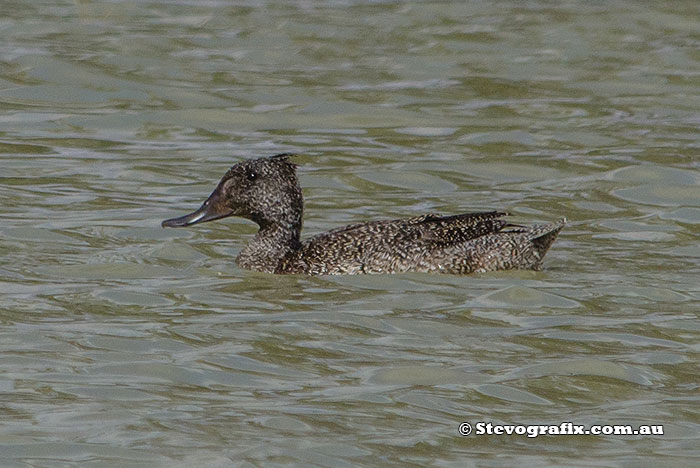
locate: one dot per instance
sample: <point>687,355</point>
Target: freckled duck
<point>267,192</point>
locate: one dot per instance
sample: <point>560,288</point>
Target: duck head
<point>264,190</point>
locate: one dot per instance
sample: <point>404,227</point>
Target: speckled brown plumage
<point>267,192</point>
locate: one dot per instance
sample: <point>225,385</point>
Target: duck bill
<point>210,210</point>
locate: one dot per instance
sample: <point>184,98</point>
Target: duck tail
<point>543,235</point>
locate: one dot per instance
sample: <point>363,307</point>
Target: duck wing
<point>450,230</point>
<point>429,227</point>
<point>390,245</point>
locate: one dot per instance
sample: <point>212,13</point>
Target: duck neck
<point>270,245</point>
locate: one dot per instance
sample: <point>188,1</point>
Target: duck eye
<point>251,175</point>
